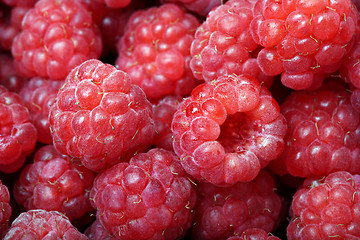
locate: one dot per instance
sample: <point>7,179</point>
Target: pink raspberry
<point>99,107</point>
<point>227,130</point>
<point>56,36</point>
<point>201,7</point>
<point>254,234</point>
<point>222,212</point>
<point>42,224</point>
<point>9,77</point>
<point>39,94</point>
<point>323,133</point>
<point>326,208</point>
<point>223,44</point>
<point>17,134</point>
<point>96,231</point>
<point>154,50</point>
<point>302,37</point>
<point>54,182</point>
<point>151,197</point>
<point>5,209</point>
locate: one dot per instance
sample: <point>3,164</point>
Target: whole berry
<point>5,209</point>
<point>151,197</point>
<point>54,182</point>
<point>100,117</point>
<point>155,50</point>
<point>222,212</point>
<point>227,130</point>
<point>56,36</point>
<point>326,208</point>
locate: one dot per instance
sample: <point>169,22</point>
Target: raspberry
<point>56,36</point>
<point>116,3</point>
<point>42,224</point>
<point>97,232</point>
<point>323,133</point>
<point>254,234</point>
<point>227,130</point>
<point>39,94</point>
<point>17,134</point>
<point>26,3</point>
<point>350,68</point>
<point>9,77</point>
<point>150,197</point>
<point>5,210</point>
<point>154,50</point>
<point>222,212</point>
<point>201,7</point>
<point>99,107</point>
<point>326,208</point>
<point>223,44</point>
<point>54,182</point>
<point>301,38</point>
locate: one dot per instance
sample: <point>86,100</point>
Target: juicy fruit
<point>5,210</point>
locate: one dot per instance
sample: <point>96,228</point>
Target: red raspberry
<point>96,231</point>
<point>227,130</point>
<point>54,182</point>
<point>9,77</point>
<point>154,50</point>
<point>39,94</point>
<point>350,68</point>
<point>302,37</point>
<point>326,208</point>
<point>222,212</point>
<point>254,234</point>
<point>323,133</point>
<point>56,36</point>
<point>5,209</point>
<point>99,107</point>
<point>150,197</point>
<point>26,3</point>
<point>42,224</point>
<point>17,134</point>
<point>201,7</point>
<point>115,3</point>
<point>223,44</point>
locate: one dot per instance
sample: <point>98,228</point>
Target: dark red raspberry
<point>326,208</point>
<point>9,77</point>
<point>151,197</point>
<point>223,44</point>
<point>201,7</point>
<point>38,95</point>
<point>227,130</point>
<point>323,133</point>
<point>302,38</point>
<point>54,182</point>
<point>5,209</point>
<point>26,3</point>
<point>100,117</point>
<point>116,3</point>
<point>254,234</point>
<point>155,50</point>
<point>96,231</point>
<point>42,224</point>
<point>17,134</point>
<point>222,212</point>
<point>56,36</point>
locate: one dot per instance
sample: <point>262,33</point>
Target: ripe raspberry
<point>54,182</point>
<point>350,68</point>
<point>26,3</point>
<point>150,197</point>
<point>227,130</point>
<point>42,224</point>
<point>154,50</point>
<point>56,36</point>
<point>5,209</point>
<point>254,234</point>
<point>222,212</point>
<point>39,94</point>
<point>323,133</point>
<point>17,134</point>
<point>201,7</point>
<point>326,208</point>
<point>116,3</point>
<point>223,44</point>
<point>99,107</point>
<point>302,37</point>
<point>9,77</point>
<point>96,231</point>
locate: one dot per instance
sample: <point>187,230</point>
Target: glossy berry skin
<point>222,212</point>
<point>151,197</point>
<point>56,36</point>
<point>17,134</point>
<point>54,182</point>
<point>42,224</point>
<point>227,130</point>
<point>350,68</point>
<point>323,133</point>
<point>326,208</point>
<point>154,50</point>
<point>39,94</point>
<point>302,38</point>
<point>223,44</point>
<point>254,234</point>
<point>98,106</point>
<point>5,210</point>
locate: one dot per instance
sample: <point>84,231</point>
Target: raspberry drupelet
<point>254,234</point>
<point>227,130</point>
<point>155,50</point>
<point>100,117</point>
<point>54,182</point>
<point>96,231</point>
<point>151,197</point>
<point>326,208</point>
<point>5,209</point>
<point>222,212</point>
<point>56,36</point>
